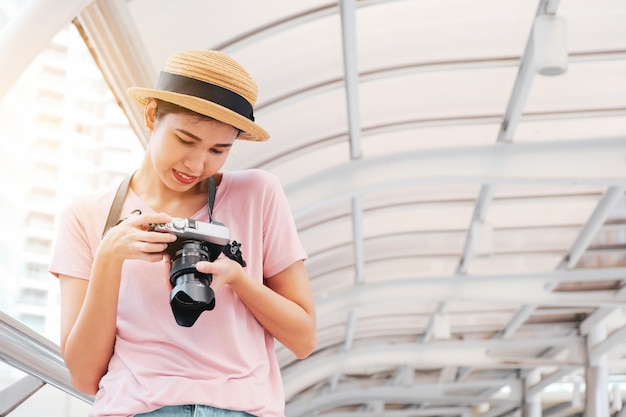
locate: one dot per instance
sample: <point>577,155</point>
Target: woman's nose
<point>195,162</point>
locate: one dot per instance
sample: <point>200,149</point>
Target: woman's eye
<point>216,151</point>
<point>184,142</point>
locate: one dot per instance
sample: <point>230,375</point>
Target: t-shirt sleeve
<point>72,253</point>
<point>281,243</point>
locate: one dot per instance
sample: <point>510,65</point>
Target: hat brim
<point>249,130</point>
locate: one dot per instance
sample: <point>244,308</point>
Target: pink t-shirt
<point>226,359</point>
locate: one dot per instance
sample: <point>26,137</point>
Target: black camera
<point>197,241</point>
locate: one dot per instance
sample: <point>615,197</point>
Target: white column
<point>532,403</point>
<point>597,398</point>
<point>29,32</point>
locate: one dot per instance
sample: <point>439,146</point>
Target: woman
<point>119,338</point>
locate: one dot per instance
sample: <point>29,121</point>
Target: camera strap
<point>231,250</point>
<point>211,197</point>
<point>116,207</point>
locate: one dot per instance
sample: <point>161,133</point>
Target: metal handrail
<point>32,353</point>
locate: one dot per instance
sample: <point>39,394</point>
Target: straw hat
<point>210,83</point>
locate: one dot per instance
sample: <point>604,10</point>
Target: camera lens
<point>192,293</point>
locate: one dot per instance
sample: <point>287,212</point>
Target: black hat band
<point>181,84</point>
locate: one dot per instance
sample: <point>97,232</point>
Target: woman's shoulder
<point>94,201</point>
<point>254,177</point>
<point>84,216</point>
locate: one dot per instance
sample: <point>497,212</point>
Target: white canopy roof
<point>464,215</point>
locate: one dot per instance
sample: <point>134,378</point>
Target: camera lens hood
<point>188,299</point>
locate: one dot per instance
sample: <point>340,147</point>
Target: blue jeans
<point>193,411</point>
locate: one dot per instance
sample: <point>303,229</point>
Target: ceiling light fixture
<point>550,44</point>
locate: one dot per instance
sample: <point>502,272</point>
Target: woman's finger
<point>148,219</point>
<point>204,267</point>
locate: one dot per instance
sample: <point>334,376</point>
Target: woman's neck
<point>152,191</point>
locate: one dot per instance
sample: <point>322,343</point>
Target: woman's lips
<point>184,178</point>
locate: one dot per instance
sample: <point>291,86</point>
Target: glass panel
<point>436,32</point>
<point>580,88</point>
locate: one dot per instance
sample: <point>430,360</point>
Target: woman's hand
<point>223,269</point>
<point>133,238</point>
<point>284,305</point>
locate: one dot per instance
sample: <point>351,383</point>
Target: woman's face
<point>186,150</point>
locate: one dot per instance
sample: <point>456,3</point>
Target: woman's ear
<point>149,113</point>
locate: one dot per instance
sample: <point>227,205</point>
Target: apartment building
<point>61,135</point>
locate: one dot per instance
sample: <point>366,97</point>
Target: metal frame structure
<point>441,304</point>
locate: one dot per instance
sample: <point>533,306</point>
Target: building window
<point>36,271</point>
<point>33,297</point>
<point>37,245</point>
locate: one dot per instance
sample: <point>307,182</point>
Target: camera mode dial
<point>179,224</point>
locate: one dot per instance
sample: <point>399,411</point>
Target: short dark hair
<point>165,107</point>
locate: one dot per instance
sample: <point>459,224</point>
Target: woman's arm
<point>284,306</point>
<point>89,307</point>
<point>88,317</point>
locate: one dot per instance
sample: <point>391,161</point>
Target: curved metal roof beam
<point>278,26</point>
<point>519,289</point>
<point>304,374</point>
<point>430,393</point>
<point>284,24</point>
<point>516,288</point>
<point>285,155</point>
<point>320,88</point>
<point>417,67</point>
<point>407,412</point>
<point>325,262</point>
<point>592,162</point>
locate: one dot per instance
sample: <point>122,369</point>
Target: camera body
<point>197,241</point>
<point>215,233</point>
